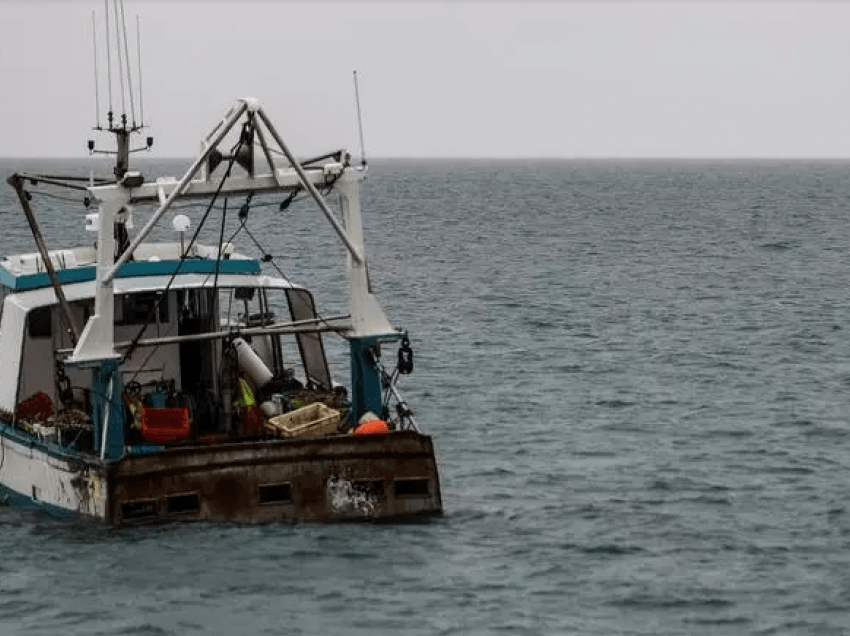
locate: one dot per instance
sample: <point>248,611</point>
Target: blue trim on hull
<point>133,269</point>
<point>65,453</point>
<point>9,497</point>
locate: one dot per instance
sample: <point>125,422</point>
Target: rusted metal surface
<point>339,477</point>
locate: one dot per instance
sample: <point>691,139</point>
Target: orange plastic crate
<point>165,425</point>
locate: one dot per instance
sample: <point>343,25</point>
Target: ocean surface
<point>637,376</point>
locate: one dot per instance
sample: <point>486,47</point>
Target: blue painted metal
<point>23,282</point>
<point>365,378</point>
<point>157,399</point>
<point>190,266</point>
<point>11,497</point>
<point>107,371</point>
<point>68,453</point>
<point>143,449</point>
<point>134,269</point>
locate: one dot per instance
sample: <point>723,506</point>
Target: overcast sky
<point>473,78</point>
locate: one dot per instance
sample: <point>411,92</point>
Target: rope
<point>58,197</point>
<point>144,364</point>
<point>220,245</point>
<point>268,258</point>
<point>135,342</point>
<point>264,204</point>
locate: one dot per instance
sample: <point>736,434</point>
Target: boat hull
<point>342,477</point>
<point>39,474</point>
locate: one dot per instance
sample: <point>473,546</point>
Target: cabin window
<point>302,307</point>
<point>195,304</point>
<point>138,309</point>
<point>276,493</point>
<point>138,510</point>
<point>244,293</point>
<point>412,488</point>
<point>182,504</point>
<point>40,322</point>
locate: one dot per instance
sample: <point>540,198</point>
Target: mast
<point>119,126</point>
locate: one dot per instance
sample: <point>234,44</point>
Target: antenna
<point>139,59</point>
<point>127,61</point>
<point>120,65</point>
<point>359,122</point>
<point>122,130</point>
<point>108,63</point>
<point>96,83</point>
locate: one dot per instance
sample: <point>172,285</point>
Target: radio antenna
<point>122,129</point>
<point>127,62</point>
<point>359,122</point>
<point>96,83</point>
<point>108,63</point>
<point>120,65</point>
<point>139,58</point>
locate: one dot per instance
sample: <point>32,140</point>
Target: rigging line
<point>120,62</point>
<point>263,250</point>
<point>139,59</point>
<point>226,342</point>
<point>47,178</point>
<point>220,245</point>
<point>229,305</point>
<point>127,62</point>
<point>108,61</point>
<point>235,232</point>
<point>359,121</point>
<point>96,83</point>
<point>330,185</point>
<point>267,204</point>
<point>135,342</point>
<point>243,226</point>
<point>144,365</point>
<point>58,197</point>
<point>67,186</point>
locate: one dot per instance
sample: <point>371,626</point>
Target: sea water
<point>637,377</point>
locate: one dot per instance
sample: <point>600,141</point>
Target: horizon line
<point>500,158</point>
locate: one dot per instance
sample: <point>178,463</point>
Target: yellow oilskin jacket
<point>246,395</point>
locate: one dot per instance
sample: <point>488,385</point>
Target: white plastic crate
<point>313,419</point>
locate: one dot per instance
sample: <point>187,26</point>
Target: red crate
<point>165,425</point>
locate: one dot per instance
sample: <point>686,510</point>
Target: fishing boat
<point>148,381</point>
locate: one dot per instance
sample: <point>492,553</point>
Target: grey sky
<point>464,78</point>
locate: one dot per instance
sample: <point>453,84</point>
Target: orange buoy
<point>372,427</point>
